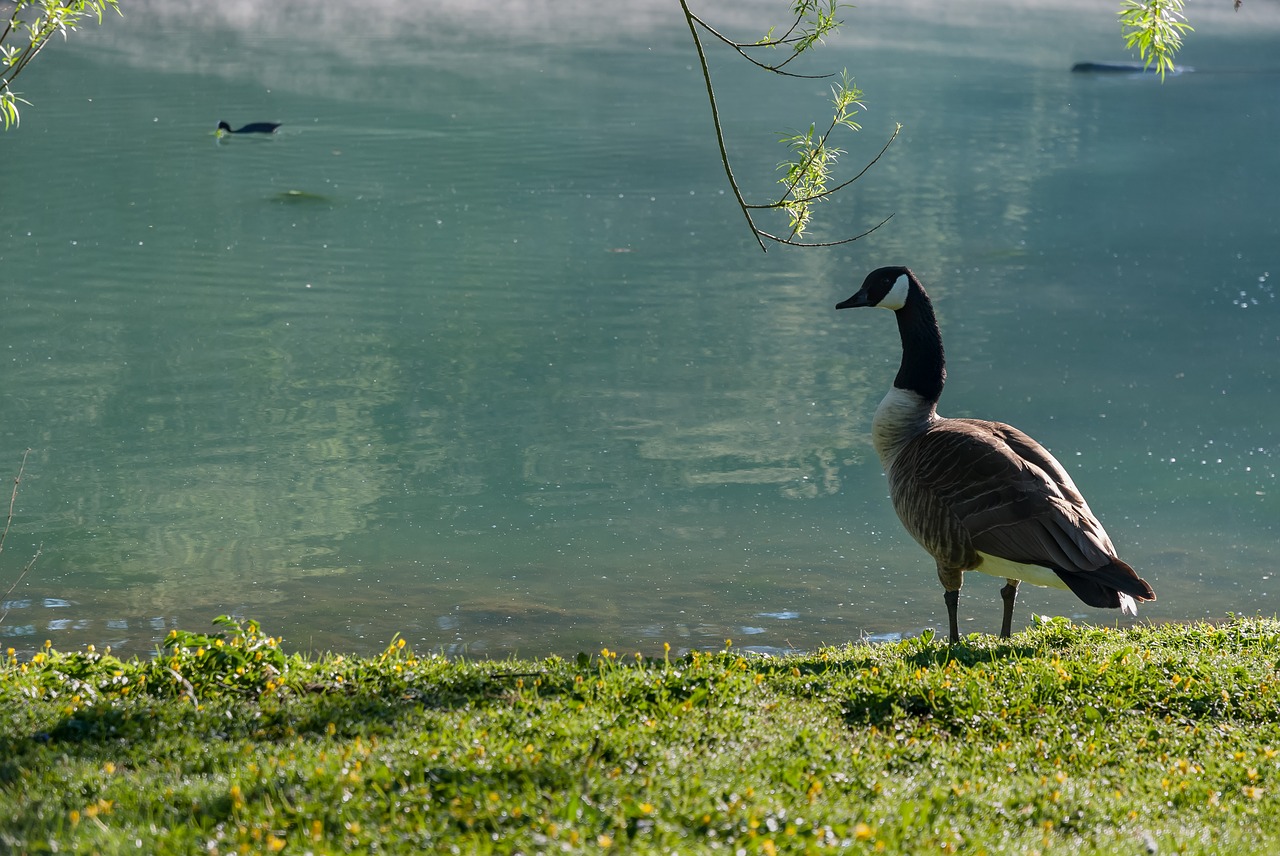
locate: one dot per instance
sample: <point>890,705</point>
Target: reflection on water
<point>476,348</point>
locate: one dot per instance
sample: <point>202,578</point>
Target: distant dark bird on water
<point>1123,68</point>
<point>979,495</point>
<point>251,128</point>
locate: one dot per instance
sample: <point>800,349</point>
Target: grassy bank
<point>1065,739</point>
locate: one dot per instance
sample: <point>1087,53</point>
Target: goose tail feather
<point>1113,586</point>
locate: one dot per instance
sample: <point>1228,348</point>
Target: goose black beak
<point>859,299</point>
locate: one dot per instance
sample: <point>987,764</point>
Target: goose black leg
<point>1010,594</point>
<point>952,597</point>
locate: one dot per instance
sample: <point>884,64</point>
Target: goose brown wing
<point>1005,494</point>
<point>1034,454</point>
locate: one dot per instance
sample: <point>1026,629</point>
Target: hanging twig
<point>741,48</point>
<point>1155,28</point>
<point>13,498</point>
<point>715,118</point>
<point>849,240</point>
<point>808,176</point>
<point>8,521</point>
<point>51,18</point>
<point>816,196</point>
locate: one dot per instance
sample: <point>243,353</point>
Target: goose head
<point>886,287</point>
<point>923,371</point>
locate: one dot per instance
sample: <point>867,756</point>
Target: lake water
<point>477,348</point>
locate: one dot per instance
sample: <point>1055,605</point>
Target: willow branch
<point>694,22</point>
<point>13,498</point>
<point>786,38</point>
<point>842,184</point>
<point>741,49</point>
<point>804,166</point>
<point>29,53</point>
<point>791,243</point>
<point>690,19</point>
<point>25,568</point>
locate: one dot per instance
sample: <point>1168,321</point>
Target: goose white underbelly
<point>1038,576</point>
<point>1005,569</point>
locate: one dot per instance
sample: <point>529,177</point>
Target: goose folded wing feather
<point>1002,503</point>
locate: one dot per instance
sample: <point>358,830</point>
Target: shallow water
<point>478,350</point>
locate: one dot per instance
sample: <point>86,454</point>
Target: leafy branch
<point>808,172</point>
<point>1155,28</point>
<point>52,17</point>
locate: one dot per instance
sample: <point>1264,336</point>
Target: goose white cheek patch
<point>897,296</point>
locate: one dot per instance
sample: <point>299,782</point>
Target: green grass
<point>1064,739</point>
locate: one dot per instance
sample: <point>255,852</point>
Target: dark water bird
<point>251,128</point>
<point>1122,68</point>
<point>979,495</point>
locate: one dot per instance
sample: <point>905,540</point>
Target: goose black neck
<point>924,368</point>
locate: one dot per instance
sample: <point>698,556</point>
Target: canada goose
<point>978,495</point>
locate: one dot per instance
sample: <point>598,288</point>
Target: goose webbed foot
<point>1009,593</point>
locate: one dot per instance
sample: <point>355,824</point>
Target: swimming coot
<point>251,128</point>
<point>1122,68</point>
